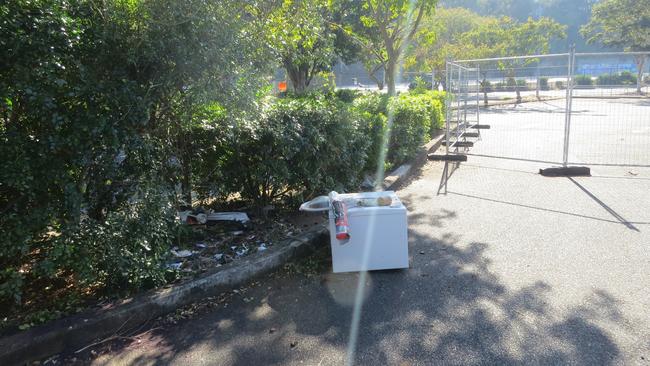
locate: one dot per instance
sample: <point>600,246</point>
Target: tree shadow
<point>449,307</point>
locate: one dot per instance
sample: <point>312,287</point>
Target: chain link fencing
<point>573,108</point>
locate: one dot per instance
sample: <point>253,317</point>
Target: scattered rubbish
<point>241,252</point>
<point>192,217</point>
<point>181,253</point>
<point>318,204</point>
<point>175,265</point>
<point>225,237</point>
<point>632,173</point>
<point>248,299</point>
<point>422,252</point>
<point>240,218</point>
<point>235,291</point>
<point>272,330</point>
<point>293,344</point>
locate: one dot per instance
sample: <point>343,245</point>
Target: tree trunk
<point>640,62</point>
<point>518,93</point>
<point>299,76</point>
<point>186,169</point>
<point>484,86</point>
<point>378,81</point>
<point>390,76</point>
<point>537,88</point>
<point>516,88</point>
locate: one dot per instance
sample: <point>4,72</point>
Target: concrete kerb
<point>396,176</point>
<point>79,330</point>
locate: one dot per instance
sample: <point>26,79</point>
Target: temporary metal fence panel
<point>610,118</point>
<point>462,110</point>
<point>573,108</point>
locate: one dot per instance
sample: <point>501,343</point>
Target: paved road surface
<point>508,268</point>
<point>602,131</point>
<point>516,269</point>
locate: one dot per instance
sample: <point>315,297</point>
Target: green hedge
<point>302,147</point>
<point>621,78</point>
<point>584,80</point>
<point>410,127</point>
<point>415,117</point>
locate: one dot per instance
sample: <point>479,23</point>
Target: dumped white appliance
<point>376,231</point>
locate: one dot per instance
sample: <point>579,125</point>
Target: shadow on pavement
<point>448,308</point>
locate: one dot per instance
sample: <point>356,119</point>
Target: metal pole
<point>458,110</point>
<point>568,108</point>
<point>448,103</point>
<point>478,96</point>
<point>433,79</point>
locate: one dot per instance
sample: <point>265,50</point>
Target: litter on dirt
<point>240,217</point>
<point>181,253</point>
<point>175,265</point>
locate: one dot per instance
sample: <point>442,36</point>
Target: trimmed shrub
<point>521,84</point>
<point>584,80</point>
<point>559,84</point>
<point>543,84</point>
<point>622,78</point>
<point>435,101</point>
<point>410,129</point>
<point>420,85</point>
<point>372,102</point>
<point>373,127</point>
<point>416,116</point>
<point>302,147</point>
<point>144,230</point>
<point>347,95</point>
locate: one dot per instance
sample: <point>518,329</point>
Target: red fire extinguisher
<point>340,218</point>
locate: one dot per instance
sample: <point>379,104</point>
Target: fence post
<point>569,102</point>
<point>449,103</point>
<point>478,94</point>
<point>459,111</point>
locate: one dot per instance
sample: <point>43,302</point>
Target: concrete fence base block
<point>567,171</point>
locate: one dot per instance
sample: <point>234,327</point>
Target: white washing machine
<point>378,234</point>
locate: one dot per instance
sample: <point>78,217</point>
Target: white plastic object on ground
<point>318,204</point>
<point>240,217</point>
<point>181,253</point>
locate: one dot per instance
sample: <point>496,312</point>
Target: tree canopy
<point>621,24</point>
<point>388,26</point>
